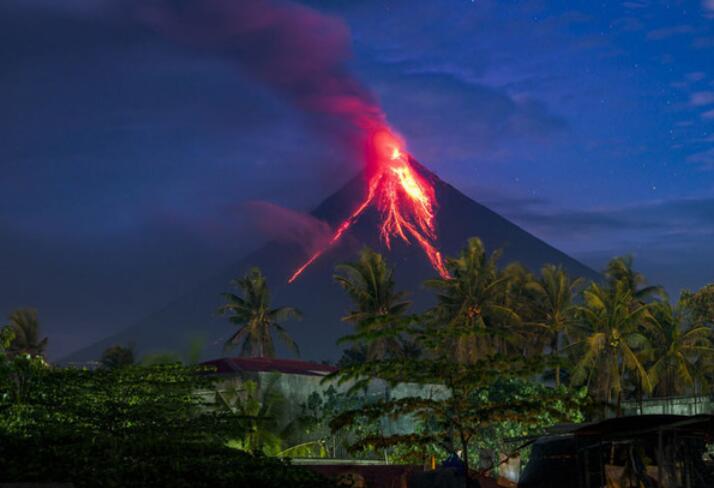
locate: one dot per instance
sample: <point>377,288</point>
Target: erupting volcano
<point>405,200</point>
<point>305,59</point>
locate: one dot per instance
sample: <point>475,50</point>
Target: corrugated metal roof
<point>288,366</point>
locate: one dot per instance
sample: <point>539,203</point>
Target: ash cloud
<point>298,52</point>
<point>282,224</point>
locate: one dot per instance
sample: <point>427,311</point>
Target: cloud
<point>709,115</point>
<point>703,42</point>
<point>671,239</point>
<point>696,76</point>
<point>688,216</point>
<point>708,7</point>
<point>446,118</point>
<point>635,5</point>
<point>667,32</point>
<point>700,99</point>
<point>705,159</point>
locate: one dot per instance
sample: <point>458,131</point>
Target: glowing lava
<point>405,200</point>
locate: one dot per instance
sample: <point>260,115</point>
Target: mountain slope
<point>315,292</point>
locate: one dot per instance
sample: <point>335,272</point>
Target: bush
<point>133,426</point>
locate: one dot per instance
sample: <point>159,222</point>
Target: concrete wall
<point>297,388</point>
<point>671,405</point>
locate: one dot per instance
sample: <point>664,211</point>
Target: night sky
<point>130,158</point>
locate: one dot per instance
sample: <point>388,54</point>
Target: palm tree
<point>370,284</point>
<point>26,328</point>
<point>610,342</point>
<point>553,294</point>
<point>700,304</point>
<point>255,319</point>
<point>620,270</point>
<point>523,337</point>
<point>472,302</point>
<point>678,349</point>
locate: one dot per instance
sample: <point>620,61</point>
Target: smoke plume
<point>300,53</point>
<point>282,224</point>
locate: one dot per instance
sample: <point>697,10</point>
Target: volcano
<point>315,292</point>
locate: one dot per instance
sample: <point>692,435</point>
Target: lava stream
<point>404,199</point>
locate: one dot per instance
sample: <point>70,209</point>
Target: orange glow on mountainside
<point>405,200</point>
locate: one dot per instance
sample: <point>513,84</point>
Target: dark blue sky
<point>127,157</point>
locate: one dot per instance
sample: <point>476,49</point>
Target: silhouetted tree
<point>472,302</point>
<point>377,305</point>
<point>610,341</point>
<point>553,294</point>
<point>679,349</point>
<point>254,317</point>
<point>117,357</point>
<point>26,328</point>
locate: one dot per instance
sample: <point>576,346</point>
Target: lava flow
<point>405,200</point>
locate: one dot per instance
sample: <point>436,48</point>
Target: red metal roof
<point>289,366</point>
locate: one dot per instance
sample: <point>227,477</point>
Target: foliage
<point>470,373</point>
<point>610,340</point>
<point>190,354</point>
<point>354,354</point>
<point>471,305</point>
<point>161,358</point>
<point>132,426</point>
<point>458,400</point>
<point>679,348</point>
<point>26,329</point>
<point>554,309</point>
<point>259,411</point>
<point>370,284</point>
<point>117,357</point>
<point>620,271</point>
<point>700,304</point>
<point>473,399</point>
<point>254,317</point>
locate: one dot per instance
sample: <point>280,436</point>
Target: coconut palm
<point>553,294</point>
<point>700,304</point>
<point>472,302</point>
<point>609,341</point>
<point>678,348</point>
<point>524,337</point>
<point>370,284</point>
<point>26,329</point>
<point>255,319</point>
<point>620,270</point>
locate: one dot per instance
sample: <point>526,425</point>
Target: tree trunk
<point>557,376</point>
<point>465,455</point>
<point>556,348</point>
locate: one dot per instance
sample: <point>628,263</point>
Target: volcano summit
<point>322,301</point>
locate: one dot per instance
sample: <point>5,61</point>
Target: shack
<point>648,451</point>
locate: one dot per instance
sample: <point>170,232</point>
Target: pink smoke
<point>299,52</point>
<point>282,224</point>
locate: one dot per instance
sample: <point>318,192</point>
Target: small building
<point>296,380</point>
<point>645,451</point>
<point>299,383</point>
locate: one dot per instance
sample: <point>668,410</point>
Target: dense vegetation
<point>503,354</point>
<point>516,351</point>
<point>618,338</point>
<point>125,426</point>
